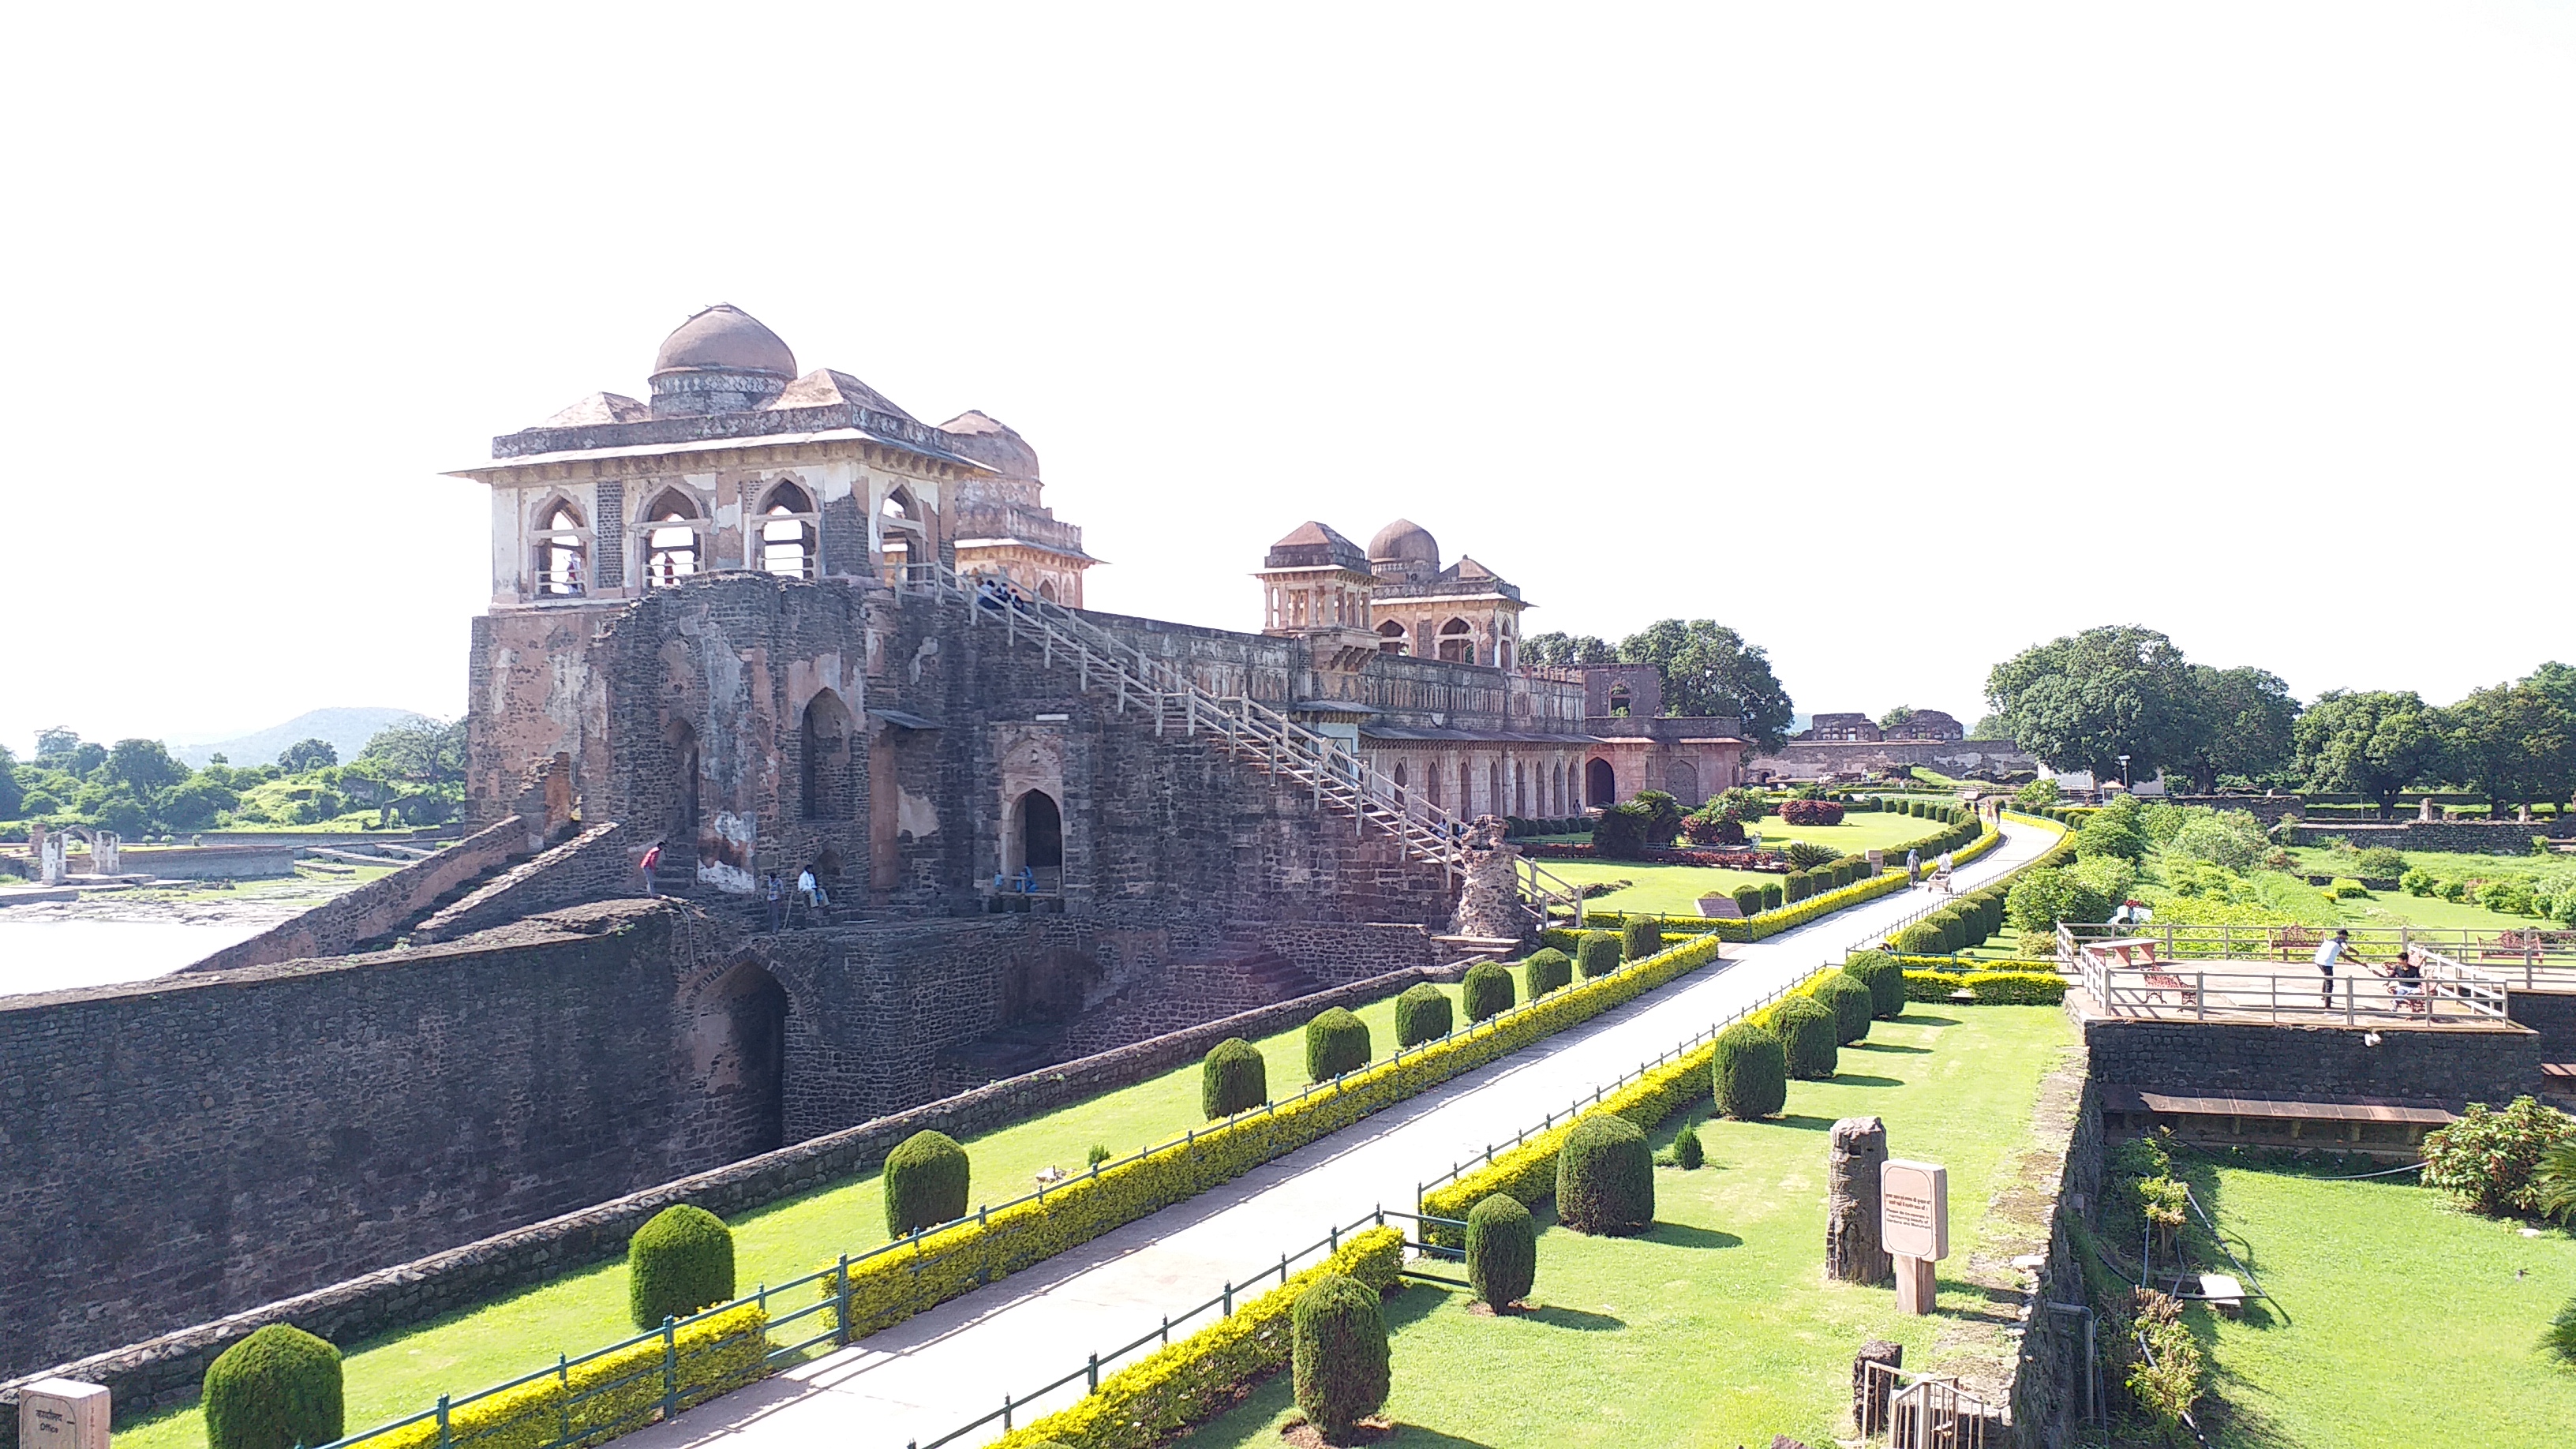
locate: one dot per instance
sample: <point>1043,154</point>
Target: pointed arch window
<point>903,534</point>
<point>1458,642</point>
<point>789,528</point>
<point>563,552</point>
<point>674,542</point>
<point>1390,637</point>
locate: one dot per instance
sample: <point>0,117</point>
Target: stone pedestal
<point>62,1414</point>
<point>1870,1392</point>
<point>1853,1251</point>
<point>1914,1285</point>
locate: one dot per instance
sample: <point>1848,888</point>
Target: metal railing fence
<point>2446,990</point>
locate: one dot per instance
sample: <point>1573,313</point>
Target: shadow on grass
<point>1803,1122</point>
<point>1888,1046</point>
<point>1575,1319</point>
<point>1861,1079</point>
<point>1915,1018</point>
<point>1405,1435</point>
<point>1683,1235</point>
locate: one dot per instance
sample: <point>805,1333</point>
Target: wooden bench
<point>2292,943</point>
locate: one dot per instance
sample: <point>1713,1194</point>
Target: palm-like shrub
<point>925,1183</point>
<point>2553,1182</point>
<point>677,1263</point>
<point>1232,1078</point>
<point>1641,937</point>
<point>1336,1042</point>
<point>1852,1004</point>
<point>1422,1014</point>
<point>1597,952</point>
<point>1488,988</point>
<point>2560,1340</point>
<point>1547,970</point>
<point>278,1388</point>
<point>1749,1072</point>
<point>1338,1354</point>
<point>1811,1034</point>
<point>1885,979</point>
<point>1502,1250</point>
<point>1605,1177</point>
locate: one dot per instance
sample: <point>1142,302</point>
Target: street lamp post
<point>2124,772</point>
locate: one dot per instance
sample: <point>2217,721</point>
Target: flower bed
<point>1721,859</point>
<point>1788,917</point>
<point>1811,812</point>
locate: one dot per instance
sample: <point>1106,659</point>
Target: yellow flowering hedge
<point>924,1272</point>
<point>1786,918</point>
<point>616,1393</point>
<point>1148,1402</point>
<point>1528,1171</point>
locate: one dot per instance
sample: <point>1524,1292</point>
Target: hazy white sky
<point>1898,337</point>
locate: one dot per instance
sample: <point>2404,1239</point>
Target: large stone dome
<point>725,338</point>
<point>994,443</point>
<point>1404,541</point>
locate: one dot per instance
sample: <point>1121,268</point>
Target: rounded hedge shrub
<point>1487,988</point>
<point>925,1183</point>
<point>1748,899</point>
<point>276,1389</point>
<point>1810,1034</point>
<point>1596,953</point>
<point>1605,1177</point>
<point>1920,939</point>
<point>1885,979</point>
<point>1750,1072</point>
<point>1796,886</point>
<point>1233,1078</point>
<point>1852,1004</point>
<point>1641,937</point>
<point>1502,1250</point>
<point>1773,897</point>
<point>1547,970</point>
<point>1338,1354</point>
<point>1422,1014</point>
<point>1336,1042</point>
<point>680,1261</point>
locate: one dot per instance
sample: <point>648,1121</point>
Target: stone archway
<point>737,1042</point>
<point>1600,784</point>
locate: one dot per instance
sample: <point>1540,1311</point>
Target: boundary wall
<point>336,926</point>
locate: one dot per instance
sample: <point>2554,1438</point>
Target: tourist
<point>2406,981</point>
<point>811,889</point>
<point>2328,954</point>
<point>652,858</point>
<point>774,891</point>
<point>1913,867</point>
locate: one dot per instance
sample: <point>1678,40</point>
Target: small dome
<point>724,338</point>
<point>994,443</point>
<point>1404,541</point>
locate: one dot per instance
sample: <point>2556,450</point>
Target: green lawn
<point>2400,1320</point>
<point>1674,890</point>
<point>586,1309</point>
<point>1718,1328</point>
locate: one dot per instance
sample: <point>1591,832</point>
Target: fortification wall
<point>1808,760</point>
<point>367,911</point>
<point>2452,1065</point>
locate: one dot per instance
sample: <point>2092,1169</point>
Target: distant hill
<point>347,727</point>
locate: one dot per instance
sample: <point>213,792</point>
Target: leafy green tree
<point>2514,744</point>
<point>1564,649</point>
<point>2375,743</point>
<point>194,804</point>
<point>2082,701</point>
<point>55,746</point>
<point>307,755</point>
<point>418,751</point>
<point>2245,717</point>
<point>143,765</point>
<point>1708,669</point>
<point>11,795</point>
<point>1896,716</point>
<point>1990,726</point>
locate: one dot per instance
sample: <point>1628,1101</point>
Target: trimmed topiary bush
<point>1748,898</point>
<point>1338,1354</point>
<point>1548,970</point>
<point>276,1389</point>
<point>1688,1153</point>
<point>1853,1005</point>
<point>1885,979</point>
<point>925,1183</point>
<point>1773,897</point>
<point>1487,989</point>
<point>1811,1035</point>
<point>1597,952</point>
<point>1233,1078</point>
<point>1796,887</point>
<point>1605,1177</point>
<point>1749,1072</point>
<point>1641,937</point>
<point>1502,1250</point>
<point>1920,939</point>
<point>1422,1014</point>
<point>677,1263</point>
<point>1336,1042</point>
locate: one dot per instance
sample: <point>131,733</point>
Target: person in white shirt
<point>2328,953</point>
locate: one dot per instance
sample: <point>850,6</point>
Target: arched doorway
<point>1600,784</point>
<point>1458,642</point>
<point>1681,777</point>
<point>1035,842</point>
<point>738,1043</point>
<point>830,774</point>
<point>787,533</point>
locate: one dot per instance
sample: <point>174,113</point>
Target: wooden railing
<point>2132,980</point>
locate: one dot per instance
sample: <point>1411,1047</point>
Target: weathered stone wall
<point>370,910</point>
<point>1807,760</point>
<point>175,1149</point>
<point>2453,1065</point>
<point>595,865</point>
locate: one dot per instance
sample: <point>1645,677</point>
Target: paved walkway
<point>921,1379</point>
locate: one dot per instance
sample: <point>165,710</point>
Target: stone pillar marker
<point>1853,1252</point>
<point>62,1414</point>
<point>1871,1392</point>
<point>1914,1214</point>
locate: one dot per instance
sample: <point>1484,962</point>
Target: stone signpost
<point>62,1414</point>
<point>1914,1225</point>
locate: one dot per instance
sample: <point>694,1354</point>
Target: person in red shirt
<point>652,858</point>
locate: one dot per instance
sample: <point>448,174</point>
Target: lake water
<point>50,955</point>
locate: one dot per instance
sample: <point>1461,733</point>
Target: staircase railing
<point>1338,777</point>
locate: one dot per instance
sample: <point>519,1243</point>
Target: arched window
<point>1390,636</point>
<point>1495,798</point>
<point>1399,776</point>
<point>787,533</point>
<point>1558,790</point>
<point>1458,642</point>
<point>1466,789</point>
<point>1619,699</point>
<point>1046,591</point>
<point>902,538</point>
<point>562,559</point>
<point>671,544</point>
<point>1520,789</point>
<point>830,777</point>
<point>1600,784</point>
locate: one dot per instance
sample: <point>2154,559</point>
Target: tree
<point>2514,744</point>
<point>1897,716</point>
<point>194,804</point>
<point>143,764</point>
<point>10,795</point>
<point>1564,649</point>
<point>2245,718</point>
<point>305,755</point>
<point>419,751</point>
<point>1708,669</point>
<point>1990,726</point>
<point>2082,701</point>
<point>2374,743</point>
<point>56,744</point>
